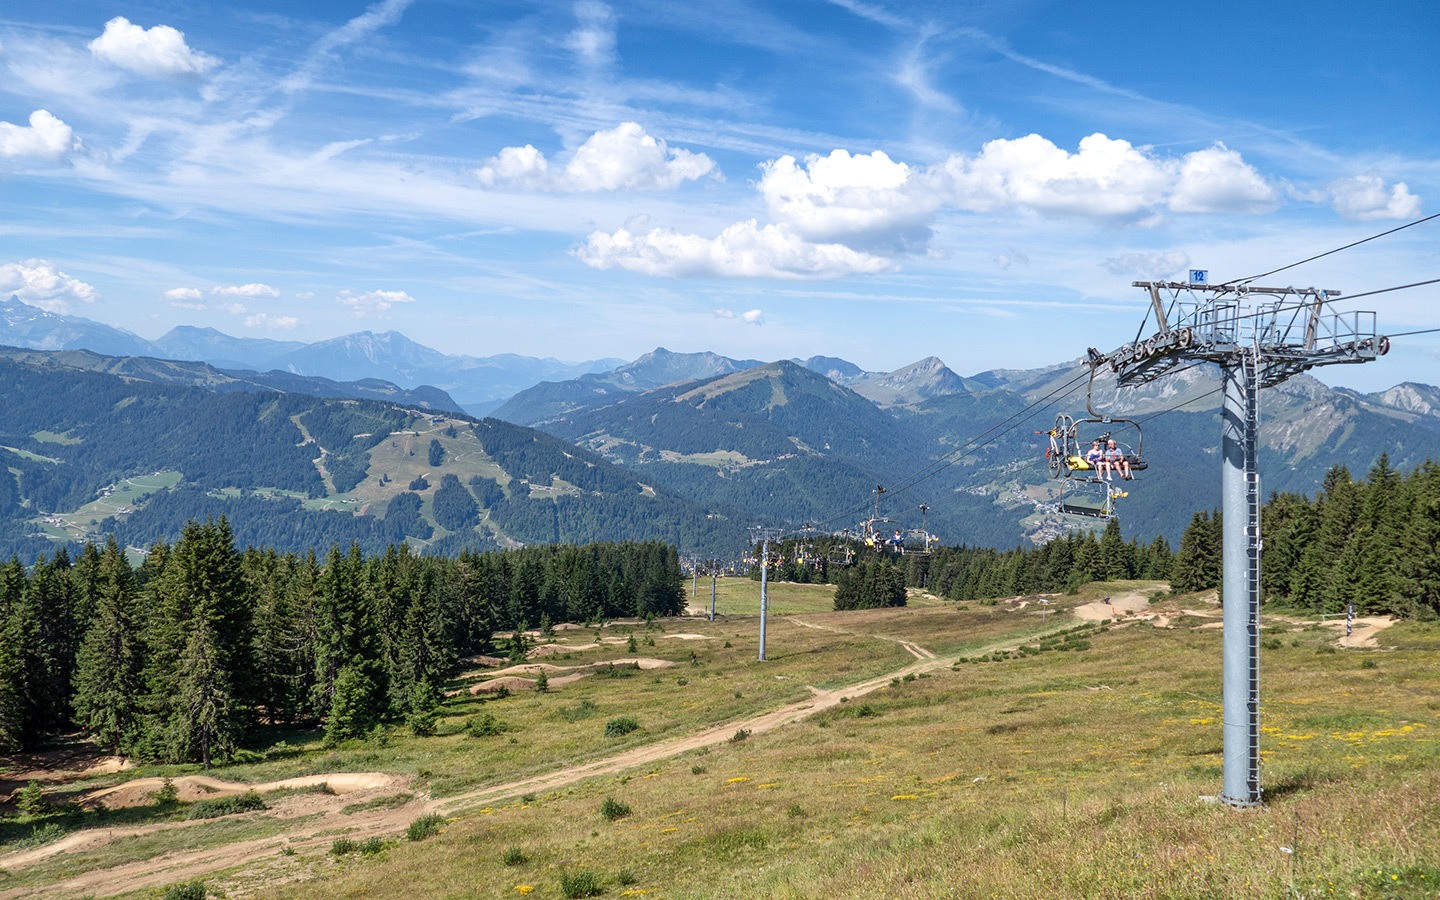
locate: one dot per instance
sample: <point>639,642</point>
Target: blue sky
<point>882,182</point>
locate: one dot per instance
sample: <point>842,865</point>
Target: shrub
<point>424,827</point>
<point>166,795</point>
<point>343,847</point>
<point>188,890</point>
<point>582,710</point>
<point>32,800</point>
<point>613,809</point>
<point>372,847</point>
<point>580,883</point>
<point>620,727</point>
<point>40,834</point>
<point>740,735</point>
<point>866,711</point>
<point>486,725</point>
<point>514,856</point>
<point>630,646</point>
<point>542,683</point>
<point>698,770</point>
<point>1367,664</point>
<point>795,811</point>
<point>625,878</point>
<point>225,806</point>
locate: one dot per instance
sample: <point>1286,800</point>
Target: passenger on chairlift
<point>1098,459</point>
<point>1118,462</point>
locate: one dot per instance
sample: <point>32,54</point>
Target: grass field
<point>1073,768</point>
<point>115,499</point>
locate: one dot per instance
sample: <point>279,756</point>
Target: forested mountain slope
<point>90,452</point>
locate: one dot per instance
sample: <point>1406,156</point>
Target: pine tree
<point>108,674</point>
<point>206,722</point>
<point>353,707</point>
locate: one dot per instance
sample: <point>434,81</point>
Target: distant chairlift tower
<point>1259,337</point>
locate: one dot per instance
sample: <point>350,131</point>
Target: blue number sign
<point>1199,276</point>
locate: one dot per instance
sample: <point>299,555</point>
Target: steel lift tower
<point>1259,337</point>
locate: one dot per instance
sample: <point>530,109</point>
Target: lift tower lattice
<point>1259,337</point>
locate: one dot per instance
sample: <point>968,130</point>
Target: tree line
<point>179,659</point>
<point>1374,543</point>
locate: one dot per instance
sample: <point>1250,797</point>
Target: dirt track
<point>322,811</point>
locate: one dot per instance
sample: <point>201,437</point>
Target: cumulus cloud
<point>46,137</point>
<point>159,52</point>
<point>743,250</point>
<point>1104,178</point>
<point>245,290</point>
<point>622,158</point>
<point>183,294</point>
<point>40,282</point>
<point>1365,197</point>
<point>846,214</point>
<point>371,301</point>
<point>271,323</point>
<point>234,309</point>
<point>1218,180</point>
<point>864,200</point>
<point>1149,266</point>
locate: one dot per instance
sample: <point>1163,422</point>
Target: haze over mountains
<point>742,441</point>
<point>477,384</point>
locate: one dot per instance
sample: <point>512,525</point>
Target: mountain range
<point>476,384</point>
<point>808,440</point>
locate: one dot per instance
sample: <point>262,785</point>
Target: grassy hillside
<point>937,750</point>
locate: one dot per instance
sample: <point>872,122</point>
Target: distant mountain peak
<point>908,385</point>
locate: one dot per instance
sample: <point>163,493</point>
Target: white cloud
<point>183,294</point>
<point>245,290</point>
<point>622,158</point>
<point>271,323</point>
<point>522,166</point>
<point>158,52</point>
<point>372,301</point>
<point>304,295</point>
<point>863,200</point>
<point>1104,178</point>
<point>46,137</point>
<point>40,282</point>
<point>1148,266</point>
<point>593,38</point>
<point>1365,197</point>
<point>749,317</point>
<point>1218,180</point>
<point>234,309</point>
<point>743,250</point>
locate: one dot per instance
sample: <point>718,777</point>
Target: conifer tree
<point>108,672</point>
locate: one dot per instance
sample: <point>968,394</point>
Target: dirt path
<point>819,701</point>
<point>324,811</point>
<point>322,815</point>
<point>1364,631</point>
<point>911,647</point>
<point>1135,604</point>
